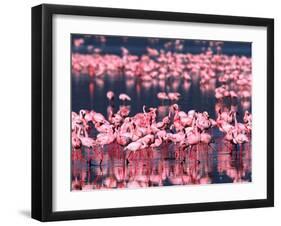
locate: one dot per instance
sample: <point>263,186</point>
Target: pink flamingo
<point>132,147</point>
<point>162,96</point>
<point>105,138</point>
<point>98,117</point>
<point>110,95</point>
<point>124,97</point>
<point>174,96</point>
<point>205,138</point>
<point>76,142</point>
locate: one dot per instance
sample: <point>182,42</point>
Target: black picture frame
<point>42,111</point>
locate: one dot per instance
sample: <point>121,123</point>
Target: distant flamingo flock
<point>228,76</point>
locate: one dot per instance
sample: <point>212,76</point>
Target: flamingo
<point>87,141</point>
<point>76,142</point>
<point>124,97</point>
<point>110,95</point>
<point>174,96</point>
<point>162,96</point>
<point>98,117</point>
<point>105,138</point>
<point>132,147</point>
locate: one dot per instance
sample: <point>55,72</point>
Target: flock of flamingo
<point>140,131</point>
<point>226,77</point>
<point>232,73</point>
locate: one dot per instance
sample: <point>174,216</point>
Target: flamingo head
<point>82,113</point>
<point>127,119</point>
<point>154,110</point>
<point>205,113</point>
<point>191,113</point>
<point>175,107</point>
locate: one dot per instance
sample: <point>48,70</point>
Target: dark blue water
<point>137,45</point>
<point>87,93</point>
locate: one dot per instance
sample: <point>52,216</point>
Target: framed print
<point>146,112</point>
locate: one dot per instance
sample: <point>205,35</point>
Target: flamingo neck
<point>143,109</point>
<point>235,120</point>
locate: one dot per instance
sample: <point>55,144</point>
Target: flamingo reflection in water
<point>159,168</point>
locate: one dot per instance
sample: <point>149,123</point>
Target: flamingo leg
<point>101,157</point>
<point>211,147</point>
<point>226,145</point>
<point>127,157</point>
